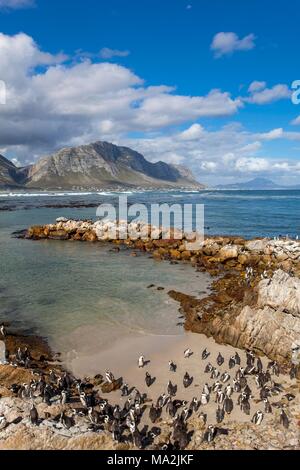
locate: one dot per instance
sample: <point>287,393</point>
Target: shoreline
<point>237,315</point>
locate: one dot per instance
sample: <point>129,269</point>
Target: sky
<point>202,83</point>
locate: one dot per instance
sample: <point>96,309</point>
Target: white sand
<point>122,358</point>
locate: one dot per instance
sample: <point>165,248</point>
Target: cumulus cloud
<point>263,95</point>
<point>107,53</point>
<point>227,43</point>
<point>53,101</point>
<point>15,4</point>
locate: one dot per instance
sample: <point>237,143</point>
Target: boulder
<point>228,252</point>
<point>256,245</point>
<point>281,292</point>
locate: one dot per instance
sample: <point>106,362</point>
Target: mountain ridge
<point>98,165</point>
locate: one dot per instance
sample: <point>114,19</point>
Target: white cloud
<point>273,134</point>
<point>257,86</point>
<point>227,43</point>
<point>192,133</point>
<point>296,121</point>
<point>107,53</point>
<point>268,95</point>
<point>15,4</point>
<point>252,165</point>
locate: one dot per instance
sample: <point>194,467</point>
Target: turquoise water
<point>55,288</point>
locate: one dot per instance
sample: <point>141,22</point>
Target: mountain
<point>8,174</point>
<point>97,166</point>
<point>256,183</point>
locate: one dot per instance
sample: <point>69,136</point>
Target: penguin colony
<point>79,399</point>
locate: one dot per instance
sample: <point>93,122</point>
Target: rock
<point>108,387</point>
<point>61,219</point>
<point>58,235</point>
<point>256,245</point>
<point>175,254</point>
<point>244,259</point>
<point>90,236</point>
<point>282,291</point>
<point>228,252</point>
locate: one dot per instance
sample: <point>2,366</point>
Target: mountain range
<point>100,165</point>
<point>256,184</point>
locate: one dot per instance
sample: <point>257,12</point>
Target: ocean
<point>59,290</point>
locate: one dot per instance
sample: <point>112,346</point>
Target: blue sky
<point>204,83</point>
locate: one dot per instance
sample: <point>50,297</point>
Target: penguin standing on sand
<point>172,366</point>
<point>205,354</point>
<point>148,379</point>
<point>220,359</point>
<point>284,419</point>
<point>141,362</point>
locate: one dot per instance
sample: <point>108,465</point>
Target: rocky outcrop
<point>282,292</point>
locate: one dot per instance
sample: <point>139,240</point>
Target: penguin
<point>171,389</point>
<point>208,368</point>
<point>259,365</point>
<point>236,386</point>
<point>220,414</point>
<point>250,358</point>
<point>187,380</point>
<point>225,377</point>
<point>206,389</point>
<point>214,373</point>
<point>94,416</point>
<point>64,397</point>
<point>284,419</point>
<point>83,399</point>
<point>220,397</point>
<point>66,421</point>
<point>194,405</point>
<point>228,391</point>
<point>124,390</point>
<point>217,386</point>
<point>186,413</point>
<point>293,372</point>
<point>244,404</point>
<point>154,413</point>
<point>205,354</point>
<point>117,413</point>
<point>228,405</point>
<point>210,434</point>
<point>237,359</point>
<point>203,418</point>
<point>116,431</point>
<point>171,409</point>
<point>141,362</point>
<point>172,366</point>
<point>220,359</point>
<point>268,406</point>
<point>231,362</point>
<point>34,416</point>
<point>148,379</point>
<point>137,439</point>
<point>187,353</point>
<point>257,418</point>
<point>204,398</point>
<point>109,377</point>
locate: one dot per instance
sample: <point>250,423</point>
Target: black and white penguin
<point>171,408</point>
<point>220,359</point>
<point>148,379</point>
<point>172,366</point>
<point>141,362</point>
<point>204,398</point>
<point>210,434</point>
<point>231,362</point>
<point>205,354</point>
<point>217,386</point>
<point>237,359</point>
<point>194,405</point>
<point>259,365</point>
<point>187,380</point>
<point>236,386</point>
<point>171,389</point>
<point>284,420</point>
<point>187,353</point>
<point>34,416</point>
<point>154,413</point>
<point>225,377</point>
<point>3,331</point>
<point>257,418</point>
<point>220,397</point>
<point>208,368</point>
<point>214,373</point>
<point>220,414</point>
<point>109,377</point>
<point>124,390</point>
<point>228,405</point>
<point>268,406</point>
